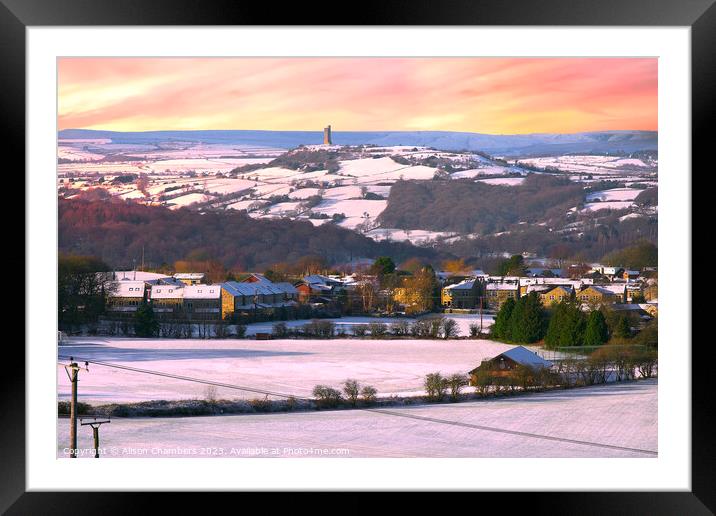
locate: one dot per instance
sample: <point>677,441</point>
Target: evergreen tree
<point>572,333</point>
<point>556,320</point>
<point>514,265</point>
<point>566,326</point>
<point>532,319</point>
<point>596,332</point>
<point>500,328</point>
<point>145,322</point>
<point>516,322</point>
<point>622,329</point>
<point>383,265</point>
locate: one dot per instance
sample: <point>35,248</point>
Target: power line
<point>373,410</point>
<point>191,379</point>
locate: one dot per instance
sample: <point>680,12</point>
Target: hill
<point>465,206</point>
<point>613,142</point>
<point>118,232</point>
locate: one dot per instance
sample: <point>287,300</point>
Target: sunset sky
<point>483,95</point>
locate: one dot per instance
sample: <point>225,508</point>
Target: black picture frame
<point>699,15</point>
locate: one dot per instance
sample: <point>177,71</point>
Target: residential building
<point>497,293</point>
<point>552,294</point>
<point>465,294</point>
<point>602,294</point>
<point>255,295</point>
<point>190,278</point>
<point>125,296</point>
<point>630,274</point>
<point>137,276</point>
<point>317,288</point>
<point>167,300</point>
<point>202,302</point>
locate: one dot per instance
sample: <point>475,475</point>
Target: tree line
<point>565,324</point>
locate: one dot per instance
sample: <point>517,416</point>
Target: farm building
<point>505,363</point>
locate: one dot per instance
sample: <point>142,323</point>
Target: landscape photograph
<point>357,257</point>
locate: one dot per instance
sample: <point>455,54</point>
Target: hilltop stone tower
<point>327,136</point>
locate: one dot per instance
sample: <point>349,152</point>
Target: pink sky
<point>485,95</point>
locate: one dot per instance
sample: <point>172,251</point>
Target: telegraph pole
<point>72,371</point>
<point>95,424</point>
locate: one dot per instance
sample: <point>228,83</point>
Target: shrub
<point>280,329</point>
<point>483,382</point>
<point>435,386</point>
<point>645,363</point>
<point>63,408</point>
<point>456,382</point>
<point>351,388</point>
<point>421,328</point>
<point>378,329</point>
<point>436,326</point>
<point>369,394</point>
<point>400,328</point>
<point>524,376</point>
<point>261,404</point>
<point>319,329</point>
<point>474,330</point>
<point>326,397</point>
<point>240,331</point>
<point>360,330</point>
<point>449,328</point>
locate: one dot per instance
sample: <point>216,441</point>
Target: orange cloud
<point>487,95</point>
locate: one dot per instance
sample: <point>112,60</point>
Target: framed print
<point>418,252</point>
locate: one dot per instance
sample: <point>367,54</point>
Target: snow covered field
<point>588,164</point>
<point>505,181</point>
<point>608,205</point>
<point>414,236</point>
<point>615,194</point>
<point>288,366</point>
<point>617,420</point>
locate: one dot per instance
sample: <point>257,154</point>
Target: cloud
<point>492,95</point>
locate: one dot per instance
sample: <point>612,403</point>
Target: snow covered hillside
<point>345,185</point>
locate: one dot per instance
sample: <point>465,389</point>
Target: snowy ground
<point>618,420</point>
<point>593,164</point>
<point>608,205</point>
<point>290,366</point>
<point>505,181</point>
<point>414,236</point>
<point>615,194</point>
